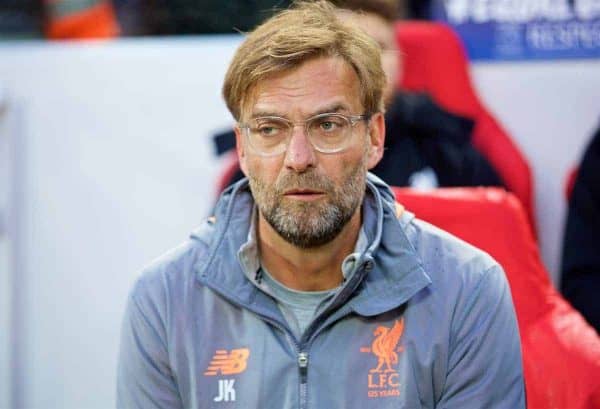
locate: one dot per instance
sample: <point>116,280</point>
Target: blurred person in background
<point>97,18</point>
<point>418,9</point>
<point>179,17</point>
<point>58,19</point>
<point>76,19</point>
<point>581,244</point>
<point>426,146</point>
<point>311,287</point>
<point>20,19</point>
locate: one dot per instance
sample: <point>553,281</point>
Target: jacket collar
<point>389,272</point>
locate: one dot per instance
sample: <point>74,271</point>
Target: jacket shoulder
<point>175,268</point>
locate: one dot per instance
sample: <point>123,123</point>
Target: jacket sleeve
<point>144,377</point>
<point>484,363</point>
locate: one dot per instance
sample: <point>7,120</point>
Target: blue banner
<point>524,29</point>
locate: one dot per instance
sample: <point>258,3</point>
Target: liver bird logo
<point>385,346</point>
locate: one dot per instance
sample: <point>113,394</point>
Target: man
<point>426,147</point>
<point>580,256</point>
<point>311,288</point>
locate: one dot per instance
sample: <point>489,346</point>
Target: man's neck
<point>313,269</point>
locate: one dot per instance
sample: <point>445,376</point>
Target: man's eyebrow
<point>258,114</point>
<point>332,108</point>
<point>337,107</point>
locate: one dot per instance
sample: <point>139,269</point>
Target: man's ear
<point>239,147</point>
<point>376,139</point>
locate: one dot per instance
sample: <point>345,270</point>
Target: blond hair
<point>307,30</point>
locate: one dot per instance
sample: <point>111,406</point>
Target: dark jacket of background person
<point>420,136</point>
<point>174,17</point>
<point>21,19</point>
<point>581,246</point>
<point>418,9</point>
<point>58,19</point>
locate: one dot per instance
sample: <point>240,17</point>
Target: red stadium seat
<point>434,61</point>
<point>570,182</point>
<point>561,352</point>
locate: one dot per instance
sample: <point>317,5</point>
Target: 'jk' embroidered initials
<point>226,391</point>
<point>228,363</point>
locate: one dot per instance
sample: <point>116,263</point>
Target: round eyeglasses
<point>327,133</point>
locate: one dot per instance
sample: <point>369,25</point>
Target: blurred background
<point>107,112</point>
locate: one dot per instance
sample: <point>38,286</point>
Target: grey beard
<point>304,229</point>
<point>305,224</point>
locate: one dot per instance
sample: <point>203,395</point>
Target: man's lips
<point>304,194</point>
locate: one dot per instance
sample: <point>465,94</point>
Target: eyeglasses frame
<point>352,119</point>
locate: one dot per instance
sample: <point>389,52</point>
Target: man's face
<point>308,196</point>
<point>384,34</point>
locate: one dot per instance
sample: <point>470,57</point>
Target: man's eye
<point>328,126</point>
<point>268,130</point>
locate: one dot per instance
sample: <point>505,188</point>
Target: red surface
<point>95,22</point>
<point>561,352</point>
<point>434,61</point>
<point>570,182</point>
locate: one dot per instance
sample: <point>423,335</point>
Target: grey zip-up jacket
<point>424,321</point>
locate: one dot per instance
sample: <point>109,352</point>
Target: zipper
<point>302,360</point>
<point>315,328</point>
<point>339,301</point>
<point>301,347</point>
<point>303,367</point>
<point>302,356</point>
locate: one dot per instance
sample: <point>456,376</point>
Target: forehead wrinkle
<point>329,108</point>
<point>270,102</point>
<point>276,96</point>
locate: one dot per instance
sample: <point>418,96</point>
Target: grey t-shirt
<point>298,307</point>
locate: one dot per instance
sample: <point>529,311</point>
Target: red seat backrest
<point>570,182</point>
<point>434,61</point>
<point>561,352</point>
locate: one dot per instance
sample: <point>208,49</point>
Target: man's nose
<point>300,154</point>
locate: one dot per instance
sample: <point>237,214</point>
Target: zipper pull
<point>303,365</point>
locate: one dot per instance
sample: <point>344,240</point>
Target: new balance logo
<point>226,391</point>
<point>227,363</point>
<point>230,363</point>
